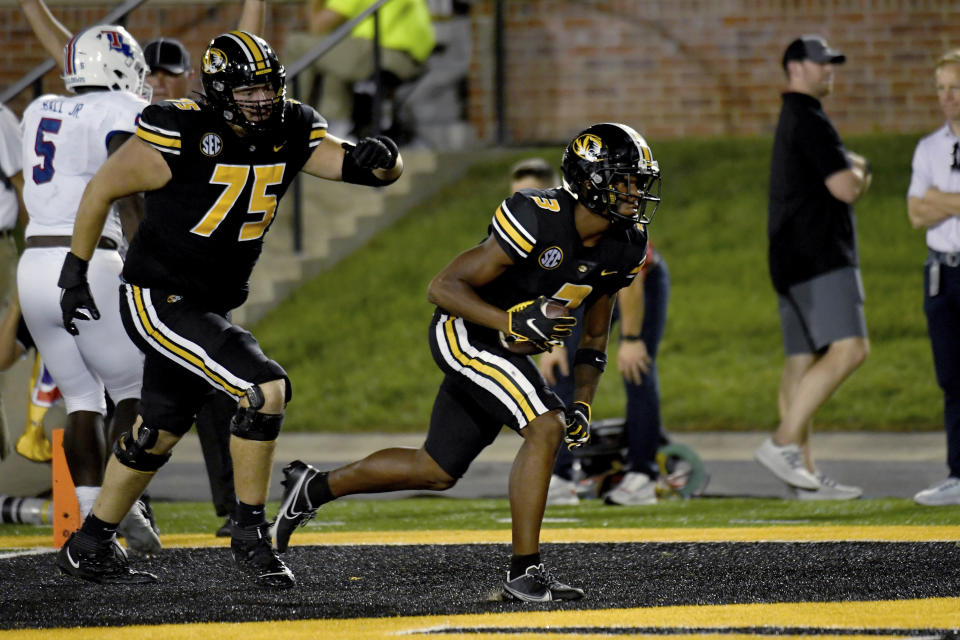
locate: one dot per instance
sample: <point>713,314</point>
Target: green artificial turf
<point>440,513</point>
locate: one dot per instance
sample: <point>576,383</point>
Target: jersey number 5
<point>234,178</point>
<point>43,172</point>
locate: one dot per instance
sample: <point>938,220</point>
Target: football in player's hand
<point>527,348</point>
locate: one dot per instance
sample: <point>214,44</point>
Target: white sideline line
<point>35,551</point>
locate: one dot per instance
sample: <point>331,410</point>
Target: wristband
<point>631,337</point>
<point>592,357</point>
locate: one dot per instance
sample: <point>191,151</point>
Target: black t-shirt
<point>203,231</point>
<point>810,231</point>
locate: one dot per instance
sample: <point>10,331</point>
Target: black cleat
<point>538,585</point>
<point>226,529</point>
<point>85,557</point>
<point>295,508</point>
<point>258,559</point>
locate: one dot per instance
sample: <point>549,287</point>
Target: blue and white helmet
<point>106,56</point>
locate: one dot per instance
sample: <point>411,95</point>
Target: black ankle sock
<point>318,490</point>
<point>247,515</point>
<point>94,526</point>
<point>519,564</point>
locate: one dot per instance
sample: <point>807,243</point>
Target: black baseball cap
<point>168,54</point>
<point>812,47</point>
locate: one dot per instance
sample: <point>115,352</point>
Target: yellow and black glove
<point>577,419</point>
<point>540,321</point>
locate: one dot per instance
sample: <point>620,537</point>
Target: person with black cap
<point>814,181</point>
<point>170,72</point>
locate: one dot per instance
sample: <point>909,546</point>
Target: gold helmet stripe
<point>252,49</point>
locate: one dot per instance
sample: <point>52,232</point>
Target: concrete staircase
<point>337,219</point>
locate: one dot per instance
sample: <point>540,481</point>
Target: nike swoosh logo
<point>73,563</point>
<point>547,597</point>
<point>277,147</point>
<point>288,512</point>
<point>533,325</point>
<point>608,272</point>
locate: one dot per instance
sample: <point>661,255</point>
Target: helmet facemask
<point>256,108</point>
<point>627,186</point>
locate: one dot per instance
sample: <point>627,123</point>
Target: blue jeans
<point>643,426</point>
<point>943,318</point>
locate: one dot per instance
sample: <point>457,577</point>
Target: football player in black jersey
<point>213,171</point>
<point>496,304</point>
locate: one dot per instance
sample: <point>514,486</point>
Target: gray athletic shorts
<point>822,310</point>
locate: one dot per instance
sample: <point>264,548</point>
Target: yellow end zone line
<point>758,621</point>
<point>939,533</point>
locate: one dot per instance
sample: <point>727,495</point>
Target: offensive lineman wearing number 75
<point>213,171</point>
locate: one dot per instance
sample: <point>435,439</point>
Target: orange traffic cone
<point>66,509</point>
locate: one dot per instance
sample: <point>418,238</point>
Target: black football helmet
<point>236,60</point>
<point>604,156</point>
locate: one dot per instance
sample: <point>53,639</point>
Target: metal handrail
<point>34,75</point>
<point>306,60</point>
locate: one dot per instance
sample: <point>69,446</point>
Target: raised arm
<point>49,31</point>
<point>253,16</point>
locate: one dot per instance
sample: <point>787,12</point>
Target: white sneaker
<point>634,489</point>
<point>829,489</point>
<point>786,463</point>
<point>942,493</point>
<point>136,529</point>
<point>562,492</point>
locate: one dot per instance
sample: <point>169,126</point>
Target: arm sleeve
<point>514,225</point>
<point>122,116</point>
<point>317,130</point>
<point>160,128</point>
<point>920,177</point>
<point>822,146</point>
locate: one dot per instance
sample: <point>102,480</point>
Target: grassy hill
<point>354,339</point>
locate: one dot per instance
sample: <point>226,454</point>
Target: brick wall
<point>703,67</point>
<point>670,67</point>
<point>194,23</point>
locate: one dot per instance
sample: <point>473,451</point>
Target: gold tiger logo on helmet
<point>588,146</point>
<point>214,60</point>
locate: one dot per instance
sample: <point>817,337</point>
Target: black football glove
<point>76,301</point>
<point>577,418</point>
<point>529,322</point>
<point>375,153</point>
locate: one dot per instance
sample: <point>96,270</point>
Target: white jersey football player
<point>65,140</point>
